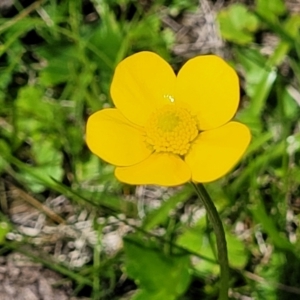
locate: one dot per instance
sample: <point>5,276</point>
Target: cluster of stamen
<point>171,129</point>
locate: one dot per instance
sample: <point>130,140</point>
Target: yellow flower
<point>167,129</point>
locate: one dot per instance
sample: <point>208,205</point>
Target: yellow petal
<point>112,137</point>
<point>215,152</point>
<point>142,83</point>
<point>210,87</point>
<point>163,169</point>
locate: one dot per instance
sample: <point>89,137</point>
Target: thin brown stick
<point>37,204</point>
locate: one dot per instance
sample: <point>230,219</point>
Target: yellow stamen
<point>171,129</point>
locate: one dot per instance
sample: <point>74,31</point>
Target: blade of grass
<point>21,15</point>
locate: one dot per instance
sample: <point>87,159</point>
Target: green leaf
<point>30,103</point>
<point>48,162</point>
<point>147,34</point>
<point>61,60</point>
<point>237,24</point>
<point>107,39</point>
<point>290,29</point>
<point>154,271</point>
<point>4,230</point>
<point>36,118</point>
<point>270,9</point>
<point>237,252</point>
<point>260,79</point>
<point>197,240</point>
<point>290,106</point>
<point>147,295</point>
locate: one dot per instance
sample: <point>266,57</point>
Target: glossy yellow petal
<point>160,169</point>
<point>142,83</point>
<point>215,152</point>
<point>112,137</point>
<point>210,87</point>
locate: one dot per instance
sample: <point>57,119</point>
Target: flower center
<point>171,129</point>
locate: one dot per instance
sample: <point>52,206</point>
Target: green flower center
<point>171,129</point>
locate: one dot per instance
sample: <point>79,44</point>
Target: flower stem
<point>217,225</point>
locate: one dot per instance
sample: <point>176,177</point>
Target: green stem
<point>217,225</point>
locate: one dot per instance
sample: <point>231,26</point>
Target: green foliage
<point>158,275</point>
<point>238,24</point>
<point>198,240</point>
<point>5,151</point>
<point>270,9</point>
<point>267,290</point>
<point>56,65</point>
<point>5,228</point>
